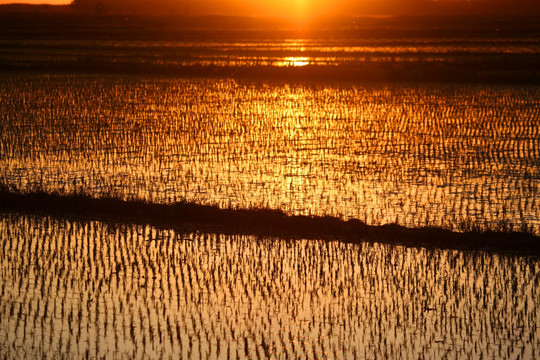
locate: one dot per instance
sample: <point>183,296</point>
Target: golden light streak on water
<point>455,156</point>
<point>295,61</point>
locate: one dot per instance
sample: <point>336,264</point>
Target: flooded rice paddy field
<point>71,289</point>
<point>241,52</point>
<point>456,156</point>
<point>445,48</point>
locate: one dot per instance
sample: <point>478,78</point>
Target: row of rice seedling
<point>413,154</point>
<point>91,290</point>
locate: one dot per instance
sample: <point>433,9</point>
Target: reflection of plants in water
<point>90,289</point>
<point>454,156</point>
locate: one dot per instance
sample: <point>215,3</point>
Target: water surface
<point>456,156</point>
<point>71,289</point>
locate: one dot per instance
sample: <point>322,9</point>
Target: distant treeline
<point>48,22</point>
<point>275,8</point>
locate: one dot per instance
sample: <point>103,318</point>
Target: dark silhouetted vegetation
<point>264,222</point>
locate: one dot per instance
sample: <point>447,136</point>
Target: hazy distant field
<point>385,49</point>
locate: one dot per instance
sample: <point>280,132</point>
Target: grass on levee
<point>263,222</point>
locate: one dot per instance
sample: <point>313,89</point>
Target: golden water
<point>242,50</point>
<point>71,289</point>
<point>446,155</point>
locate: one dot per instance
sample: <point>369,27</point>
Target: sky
<point>53,2</point>
<point>308,8</point>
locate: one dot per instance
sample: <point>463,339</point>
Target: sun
<point>303,12</point>
<point>299,8</point>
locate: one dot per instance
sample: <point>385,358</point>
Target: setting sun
<point>299,8</point>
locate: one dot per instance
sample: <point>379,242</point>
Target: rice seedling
<point>266,298</point>
<point>460,157</point>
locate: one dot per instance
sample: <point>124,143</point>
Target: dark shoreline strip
<point>262,222</point>
<point>511,72</point>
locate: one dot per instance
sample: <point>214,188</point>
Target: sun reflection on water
<point>417,155</point>
<point>295,61</point>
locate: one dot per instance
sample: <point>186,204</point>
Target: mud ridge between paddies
<point>262,222</point>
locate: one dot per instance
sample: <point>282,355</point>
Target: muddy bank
<point>263,222</point>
